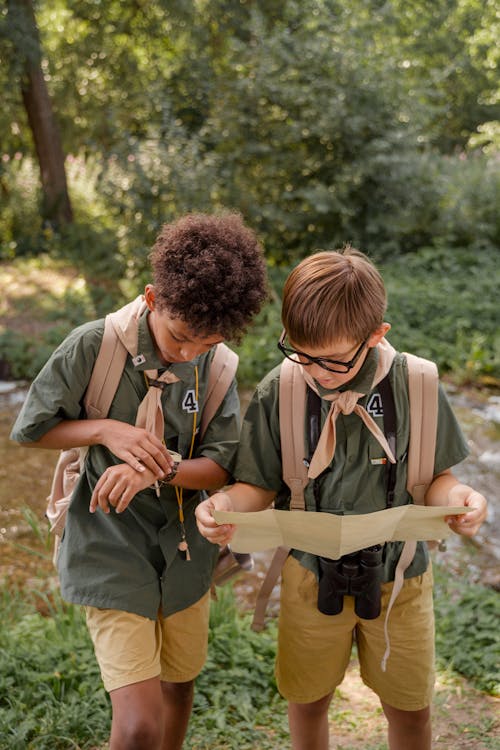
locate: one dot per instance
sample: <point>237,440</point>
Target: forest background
<point>323,121</point>
<point>373,122</point>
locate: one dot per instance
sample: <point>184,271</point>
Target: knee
<point>314,710</point>
<point>178,692</point>
<point>139,731</point>
<point>411,722</point>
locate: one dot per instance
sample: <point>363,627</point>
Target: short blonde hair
<point>332,296</point>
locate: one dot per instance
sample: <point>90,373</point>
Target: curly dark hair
<point>209,271</point>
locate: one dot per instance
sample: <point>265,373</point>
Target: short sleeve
<point>451,445</point>
<point>258,460</point>
<point>57,392</point>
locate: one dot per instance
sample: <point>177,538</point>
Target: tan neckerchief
<point>346,402</point>
<point>150,412</point>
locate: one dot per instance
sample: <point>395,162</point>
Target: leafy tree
<point>25,42</point>
<point>319,120</point>
<point>448,55</point>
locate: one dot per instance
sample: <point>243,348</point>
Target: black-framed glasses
<point>332,365</point>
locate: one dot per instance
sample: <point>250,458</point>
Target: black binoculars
<point>358,574</point>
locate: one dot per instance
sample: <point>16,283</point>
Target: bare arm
<point>445,489</point>
<point>118,485</point>
<point>240,497</point>
<point>134,445</point>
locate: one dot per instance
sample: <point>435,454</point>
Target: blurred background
<point>324,122</point>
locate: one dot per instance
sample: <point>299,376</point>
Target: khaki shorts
<point>130,648</point>
<point>314,649</point>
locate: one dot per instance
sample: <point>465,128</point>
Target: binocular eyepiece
<point>358,574</point>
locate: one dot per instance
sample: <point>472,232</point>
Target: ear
<point>378,334</point>
<point>149,296</point>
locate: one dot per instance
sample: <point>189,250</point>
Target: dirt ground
<point>463,718</point>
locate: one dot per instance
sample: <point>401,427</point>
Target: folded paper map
<point>332,536</point>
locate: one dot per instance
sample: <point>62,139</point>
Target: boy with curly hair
<point>136,560</point>
<point>333,316</point>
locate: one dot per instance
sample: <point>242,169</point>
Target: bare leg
<point>309,724</point>
<point>151,715</point>
<point>138,716</point>
<point>177,704</point>
<point>408,730</point>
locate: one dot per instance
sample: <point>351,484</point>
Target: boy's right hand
<point>207,525</point>
<point>136,446</point>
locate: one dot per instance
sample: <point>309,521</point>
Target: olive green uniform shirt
<point>354,483</point>
<point>130,560</point>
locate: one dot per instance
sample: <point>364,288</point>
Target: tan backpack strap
<point>423,396</point>
<point>292,406</point>
<point>108,369</point>
<point>272,575</point>
<point>126,323</point>
<point>222,371</point>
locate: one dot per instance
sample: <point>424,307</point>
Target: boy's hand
<point>206,523</point>
<point>467,524</point>
<point>139,448</point>
<point>117,486</point>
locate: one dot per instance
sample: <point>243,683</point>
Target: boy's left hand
<point>467,524</point>
<point>117,486</point>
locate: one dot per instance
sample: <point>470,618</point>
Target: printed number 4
<point>190,403</point>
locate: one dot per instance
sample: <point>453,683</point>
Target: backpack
<point>423,400</point>
<point>119,340</point>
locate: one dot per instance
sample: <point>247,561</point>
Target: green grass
<point>51,695</point>
<point>467,633</point>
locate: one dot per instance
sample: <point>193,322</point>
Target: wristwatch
<point>172,473</point>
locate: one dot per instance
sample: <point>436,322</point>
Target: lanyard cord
<point>183,545</point>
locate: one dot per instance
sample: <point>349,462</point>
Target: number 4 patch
<point>189,403</point>
<point>374,405</point>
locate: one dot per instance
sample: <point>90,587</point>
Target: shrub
<point>467,636</point>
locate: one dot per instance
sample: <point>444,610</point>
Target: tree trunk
<point>46,137</point>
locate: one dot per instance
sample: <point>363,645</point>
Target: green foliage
<point>52,698</point>
<point>446,54</point>
<point>322,122</point>
<point>442,305</point>
<point>467,636</point>
<point>258,351</point>
<point>21,227</point>
<point>49,299</point>
<point>236,695</point>
<point>309,117</point>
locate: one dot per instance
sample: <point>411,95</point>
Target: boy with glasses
<point>136,560</point>
<point>333,316</point>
